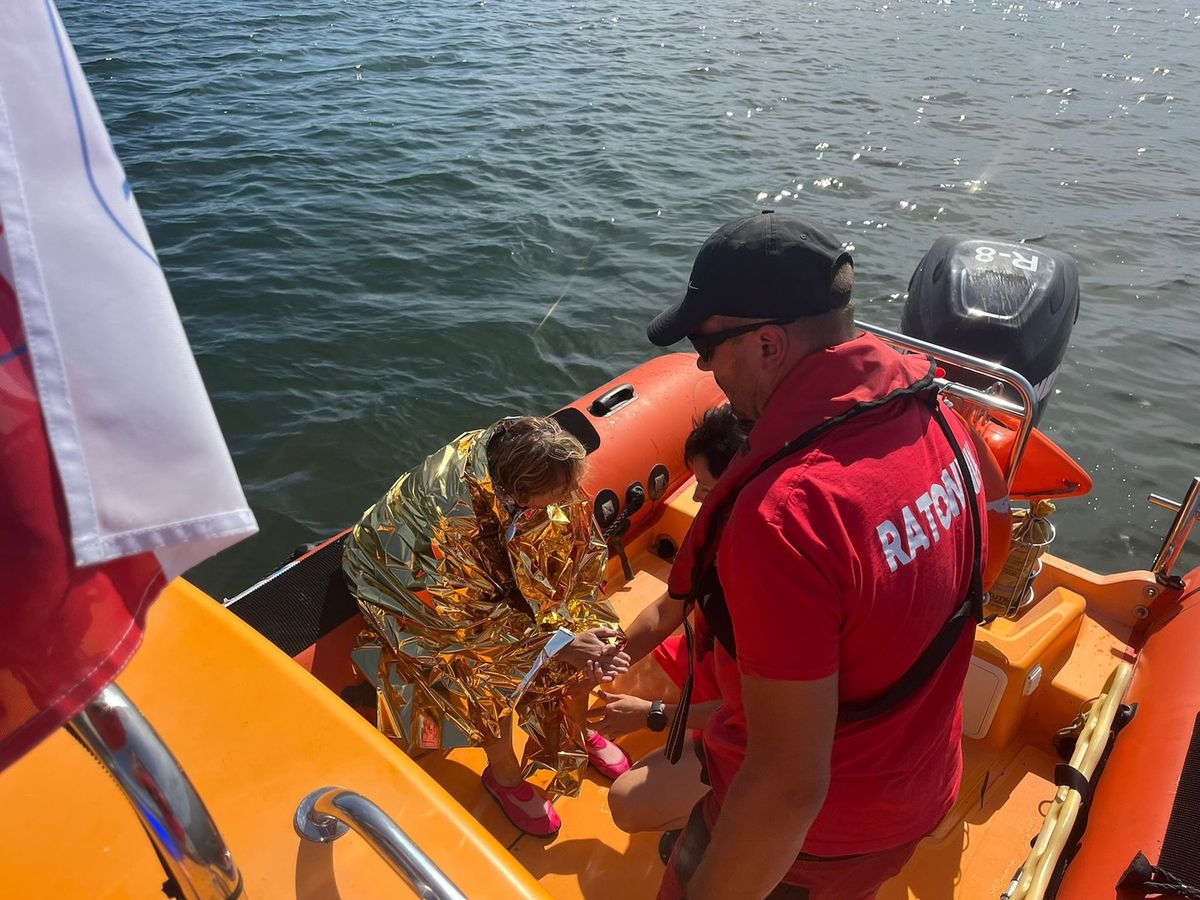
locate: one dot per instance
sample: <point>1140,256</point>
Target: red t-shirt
<point>849,558</point>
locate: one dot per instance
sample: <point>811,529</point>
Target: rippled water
<point>366,209</point>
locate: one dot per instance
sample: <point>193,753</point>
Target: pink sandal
<point>526,808</point>
<point>598,748</point>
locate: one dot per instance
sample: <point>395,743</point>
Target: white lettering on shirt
<point>924,504</point>
<point>942,503</point>
<point>952,480</point>
<point>889,538</point>
<point>914,533</point>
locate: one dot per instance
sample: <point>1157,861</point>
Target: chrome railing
<point>1186,513</point>
<point>1024,414</point>
<point>327,814</point>
<point>191,849</point>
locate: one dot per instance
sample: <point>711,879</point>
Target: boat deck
<point>1060,651</point>
<point>253,711</point>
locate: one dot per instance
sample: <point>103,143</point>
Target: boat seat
<point>1014,663</point>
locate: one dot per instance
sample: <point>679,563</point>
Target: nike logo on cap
<point>692,287</point>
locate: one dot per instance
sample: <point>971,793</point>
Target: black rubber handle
<point>610,400</point>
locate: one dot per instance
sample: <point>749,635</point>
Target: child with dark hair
<point>711,445</point>
<point>655,795</point>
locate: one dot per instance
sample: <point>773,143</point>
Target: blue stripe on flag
<point>87,161</point>
<point>13,354</point>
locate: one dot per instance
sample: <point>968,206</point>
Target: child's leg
<point>578,700</point>
<point>609,759</point>
<point>525,807</point>
<point>502,759</point>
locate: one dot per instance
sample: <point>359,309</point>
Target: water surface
<point>366,209</point>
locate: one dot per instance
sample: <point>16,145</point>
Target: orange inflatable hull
<point>1137,790</point>
<point>634,428</point>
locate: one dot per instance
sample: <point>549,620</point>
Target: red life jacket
<point>694,577</point>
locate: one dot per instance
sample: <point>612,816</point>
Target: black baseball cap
<point>767,265</point>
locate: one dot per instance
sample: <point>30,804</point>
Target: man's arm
<point>778,791</point>
<point>623,713</point>
<point>652,626</point>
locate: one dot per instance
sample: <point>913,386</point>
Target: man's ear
<point>771,344</point>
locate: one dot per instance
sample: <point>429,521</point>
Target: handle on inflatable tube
<point>611,400</point>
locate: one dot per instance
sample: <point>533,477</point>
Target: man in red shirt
<point>848,544</point>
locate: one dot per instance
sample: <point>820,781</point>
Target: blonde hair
<point>531,455</point>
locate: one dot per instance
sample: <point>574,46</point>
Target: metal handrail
<point>327,814</point>
<point>1025,413</point>
<point>189,845</point>
<point>1186,514</point>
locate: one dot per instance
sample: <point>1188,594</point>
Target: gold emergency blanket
<point>468,596</point>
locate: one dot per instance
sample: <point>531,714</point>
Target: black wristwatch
<point>656,719</point>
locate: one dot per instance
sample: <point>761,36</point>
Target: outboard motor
<point>1014,304</point>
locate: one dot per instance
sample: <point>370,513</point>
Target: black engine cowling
<point>1014,304</point>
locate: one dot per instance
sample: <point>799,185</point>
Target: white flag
<point>142,462</point>
<point>114,477</point>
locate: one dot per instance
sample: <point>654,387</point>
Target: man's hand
<point>621,714</point>
<point>592,646</point>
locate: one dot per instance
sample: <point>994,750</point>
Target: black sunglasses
<point>705,344</point>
